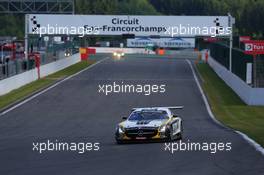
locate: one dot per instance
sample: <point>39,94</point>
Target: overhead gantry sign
<point>111,25</point>
<point>163,26</point>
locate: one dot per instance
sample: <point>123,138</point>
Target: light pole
<point>230,42</point>
<point>231,23</point>
<point>26,36</point>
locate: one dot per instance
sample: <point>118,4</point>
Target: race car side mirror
<point>124,118</point>
<point>174,116</point>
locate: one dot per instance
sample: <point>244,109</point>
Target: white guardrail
<point>125,50</point>
<point>251,96</point>
<point>16,81</point>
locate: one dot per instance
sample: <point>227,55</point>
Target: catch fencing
<point>220,52</point>
<point>10,67</point>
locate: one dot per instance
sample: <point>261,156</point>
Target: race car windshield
<point>150,115</point>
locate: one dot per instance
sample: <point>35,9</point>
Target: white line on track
<point>50,87</point>
<point>203,95</point>
<point>249,140</point>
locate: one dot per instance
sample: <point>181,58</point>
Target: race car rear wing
<point>153,108</point>
<point>175,107</point>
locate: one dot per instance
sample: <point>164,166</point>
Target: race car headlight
<point>67,54</point>
<point>114,53</point>
<point>163,128</point>
<point>121,129</point>
<point>122,54</point>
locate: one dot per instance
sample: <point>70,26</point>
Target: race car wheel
<point>171,136</point>
<point>175,137</point>
<point>179,135</point>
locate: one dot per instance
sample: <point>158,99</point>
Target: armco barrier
<point>251,96</point>
<point>113,49</point>
<point>50,68</point>
<point>16,81</point>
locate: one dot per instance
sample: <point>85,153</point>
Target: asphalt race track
<point>75,111</point>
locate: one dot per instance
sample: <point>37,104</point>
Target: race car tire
<point>177,136</point>
<point>171,136</point>
<point>181,133</point>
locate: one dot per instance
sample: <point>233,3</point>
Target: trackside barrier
<point>160,51</point>
<point>251,96</point>
<point>16,81</point>
<point>125,50</point>
<point>91,50</point>
<point>85,52</point>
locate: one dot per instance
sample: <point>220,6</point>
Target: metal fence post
<point>230,41</point>
<point>255,70</point>
<point>26,36</point>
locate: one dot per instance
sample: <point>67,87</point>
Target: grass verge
<point>229,108</point>
<point>24,91</point>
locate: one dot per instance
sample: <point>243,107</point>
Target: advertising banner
<point>162,42</point>
<point>254,47</point>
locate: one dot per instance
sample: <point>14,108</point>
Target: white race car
<point>152,123</point>
<point>118,54</point>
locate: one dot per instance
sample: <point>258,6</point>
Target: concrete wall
<point>24,78</point>
<point>125,50</point>
<point>50,68</point>
<point>251,96</point>
<point>17,81</point>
